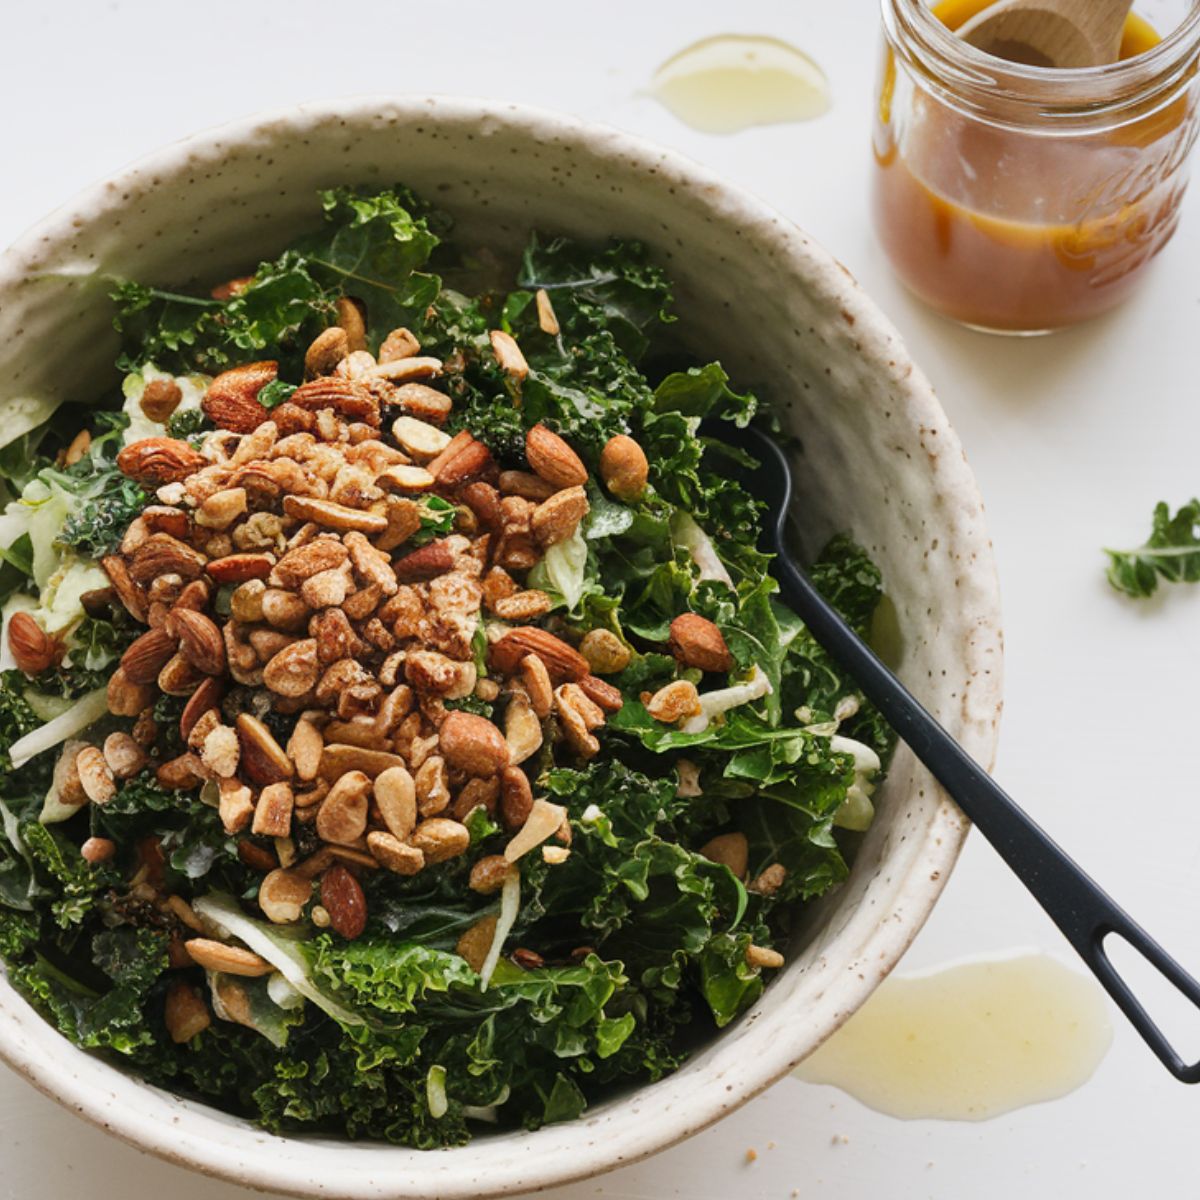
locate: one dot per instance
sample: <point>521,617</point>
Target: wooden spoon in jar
<point>1050,33</point>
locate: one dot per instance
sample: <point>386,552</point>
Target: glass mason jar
<point>1022,199</point>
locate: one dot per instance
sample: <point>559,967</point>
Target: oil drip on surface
<point>734,81</point>
<point>969,1041</point>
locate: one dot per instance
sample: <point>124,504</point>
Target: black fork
<point>1084,912</point>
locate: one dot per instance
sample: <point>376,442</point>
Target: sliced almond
<point>230,960</point>
<point>420,439</point>
<point>403,478</point>
<point>543,822</point>
<point>304,749</point>
<point>396,797</point>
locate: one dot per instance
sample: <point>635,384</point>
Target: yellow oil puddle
<point>732,82</point>
<point>969,1041</point>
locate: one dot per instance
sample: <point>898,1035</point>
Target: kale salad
<point>400,735</point>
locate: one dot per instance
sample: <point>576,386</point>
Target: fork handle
<point>1084,912</point>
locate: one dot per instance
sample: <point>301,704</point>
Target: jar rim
<point>967,73</point>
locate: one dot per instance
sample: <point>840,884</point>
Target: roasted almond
<point>601,693</point>
<point>459,442</point>
<point>204,699</point>
<point>435,558</point>
<point>516,798</point>
<point>147,655</point>
<point>553,459</point>
<point>624,468</point>
<point>561,661</point>
<point>160,398</point>
<point>231,401</point>
<point>32,648</point>
<point>126,698</point>
<point>556,519</point>
<point>200,641</point>
<point>162,554</point>
<point>525,485</point>
<point>471,462</point>
<point>730,850</point>
<point>472,744</point>
<point>343,898</point>
<point>158,460</point>
<point>263,760</point>
<point>350,320</point>
<point>131,595</point>
<point>697,642</point>
<point>421,401</point>
<point>238,568</point>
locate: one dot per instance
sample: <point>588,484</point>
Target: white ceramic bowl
<point>879,459</point>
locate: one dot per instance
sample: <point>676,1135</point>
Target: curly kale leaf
<point>76,882</point>
<point>616,288</point>
<point>704,392</point>
<point>850,581</point>
<point>1170,553</point>
<point>370,247</point>
<point>17,717</point>
<point>131,957</point>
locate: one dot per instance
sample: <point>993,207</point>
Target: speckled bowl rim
<point>166,1134</point>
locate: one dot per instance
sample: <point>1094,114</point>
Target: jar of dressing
<point>1022,199</point>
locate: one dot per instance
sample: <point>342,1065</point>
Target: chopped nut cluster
<point>282,571</point>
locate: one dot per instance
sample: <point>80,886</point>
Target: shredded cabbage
<point>563,568</point>
<point>699,545</point>
<point>435,1091</point>
<point>712,704</point>
<point>277,948</point>
<point>84,712</point>
<point>856,812</point>
<point>510,905</point>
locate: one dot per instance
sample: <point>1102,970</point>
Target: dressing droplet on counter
<point>969,1041</point>
<point>734,81</point>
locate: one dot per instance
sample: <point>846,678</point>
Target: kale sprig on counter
<point>691,842</point>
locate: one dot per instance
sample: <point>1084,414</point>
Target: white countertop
<point>1073,439</point>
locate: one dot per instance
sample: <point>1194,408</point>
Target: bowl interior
<point>878,460</point>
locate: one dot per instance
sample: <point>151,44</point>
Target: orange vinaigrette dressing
<point>1002,229</point>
